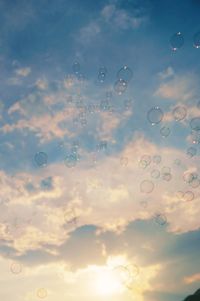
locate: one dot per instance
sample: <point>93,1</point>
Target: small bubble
<point>165,131</point>
<point>179,113</point>
<point>41,293</point>
<point>189,177</point>
<point>176,41</point>
<point>156,159</point>
<point>76,67</point>
<point>188,196</point>
<point>41,159</point>
<point>101,77</point>
<point>16,268</point>
<point>195,183</point>
<point>155,173</point>
<point>127,104</point>
<point>195,124</point>
<point>177,162</point>
<point>103,70</point>
<point>167,177</point>
<point>195,136</point>
<point>120,86</point>
<point>166,170</point>
<point>125,73</point>
<point>146,186</point>
<point>145,161</point>
<point>191,152</point>
<point>196,40</point>
<point>155,115</point>
<point>144,204</point>
<point>160,219</point>
<point>71,160</point>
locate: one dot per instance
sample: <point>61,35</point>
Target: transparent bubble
<point>71,160</point>
<point>155,173</point>
<point>165,131</point>
<point>191,152</point>
<point>189,177</point>
<point>102,146</point>
<point>176,41</point>
<point>76,67</point>
<point>188,196</point>
<point>167,177</point>
<point>156,159</point>
<point>103,70</point>
<point>195,137</point>
<point>145,161</point>
<point>196,40</point>
<point>146,186</point>
<point>155,115</point>
<point>160,219</point>
<point>195,183</point>
<point>133,271</point>
<point>42,293</point>
<point>195,124</point>
<point>101,77</point>
<point>179,113</point>
<point>180,195</point>
<point>41,159</point>
<point>105,105</point>
<point>166,170</point>
<point>125,73</point>
<point>127,104</point>
<point>122,274</point>
<point>124,161</point>
<point>16,268</point>
<point>120,86</point>
<point>177,162</point>
<point>70,216</point>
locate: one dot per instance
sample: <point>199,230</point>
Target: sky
<point>99,150</point>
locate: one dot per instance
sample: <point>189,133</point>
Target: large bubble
<point>125,73</point>
<point>41,159</point>
<point>176,41</point>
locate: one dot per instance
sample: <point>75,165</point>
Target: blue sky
<point>83,194</point>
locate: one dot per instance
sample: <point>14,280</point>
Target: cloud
<point>192,278</point>
<point>24,72</point>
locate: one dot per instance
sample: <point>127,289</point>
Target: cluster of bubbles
<point>124,75</point>
<point>177,40</point>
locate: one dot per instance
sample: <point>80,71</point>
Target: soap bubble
<point>122,274</point>
<point>188,196</point>
<point>157,159</point>
<point>177,162</point>
<point>144,204</point>
<point>191,152</point>
<point>103,70</point>
<point>133,270</point>
<point>165,131</point>
<point>71,160</point>
<point>76,67</point>
<point>179,113</point>
<point>195,136</point>
<point>195,183</point>
<point>101,77</point>
<point>155,173</point>
<point>160,219</point>
<point>167,177</point>
<point>180,195</point>
<point>155,115</point>
<point>16,268</point>
<point>70,216</point>
<point>195,124</point>
<point>41,159</point>
<point>166,170</point>
<point>196,40</point>
<point>176,41</point>
<point>145,161</point>
<point>127,104</point>
<point>189,177</point>
<point>120,86</point>
<point>146,186</point>
<point>41,293</point>
<point>125,73</point>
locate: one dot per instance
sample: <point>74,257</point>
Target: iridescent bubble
<point>176,41</point>
<point>195,183</point>
<point>41,159</point>
<point>191,152</point>
<point>179,113</point>
<point>188,196</point>
<point>41,293</point>
<point>155,173</point>
<point>157,159</point>
<point>195,124</point>
<point>76,67</point>
<point>125,73</point>
<point>145,161</point>
<point>165,131</point>
<point>196,40</point>
<point>16,268</point>
<point>120,86</point>
<point>71,160</point>
<point>124,161</point>
<point>146,186</point>
<point>160,219</point>
<point>155,115</point>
